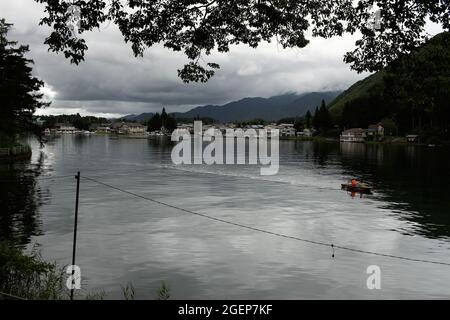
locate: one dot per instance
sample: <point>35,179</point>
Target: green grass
<point>28,276</point>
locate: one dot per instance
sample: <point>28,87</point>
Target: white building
<point>186,126</point>
<point>305,133</point>
<point>129,128</point>
<point>354,135</point>
<point>104,128</point>
<point>65,128</point>
<point>375,131</point>
<point>287,130</point>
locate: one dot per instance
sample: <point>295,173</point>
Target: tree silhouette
<point>162,122</point>
<point>197,27</point>
<point>19,90</point>
<point>163,118</point>
<point>316,119</point>
<point>324,118</point>
<point>308,119</point>
<point>155,123</point>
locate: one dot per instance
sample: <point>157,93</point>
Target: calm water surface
<point>123,239</point>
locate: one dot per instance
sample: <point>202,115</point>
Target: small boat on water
<point>358,188</point>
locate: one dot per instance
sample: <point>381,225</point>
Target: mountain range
<point>138,117</point>
<point>270,109</point>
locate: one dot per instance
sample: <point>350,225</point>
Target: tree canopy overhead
<point>196,27</point>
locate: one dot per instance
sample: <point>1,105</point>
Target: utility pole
<point>77,177</point>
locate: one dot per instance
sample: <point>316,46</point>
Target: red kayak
<point>358,188</point>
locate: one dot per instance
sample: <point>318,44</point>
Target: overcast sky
<point>113,82</point>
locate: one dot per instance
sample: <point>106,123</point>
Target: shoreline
<point>322,139</point>
<point>389,141</point>
<point>18,152</point>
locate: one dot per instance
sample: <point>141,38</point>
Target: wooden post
<point>75,230</point>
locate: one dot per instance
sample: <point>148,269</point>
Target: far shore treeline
<point>78,121</point>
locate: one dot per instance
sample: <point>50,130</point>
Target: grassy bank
<point>14,152</point>
<point>28,276</point>
<point>10,148</point>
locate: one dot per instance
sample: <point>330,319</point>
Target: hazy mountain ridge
<point>138,117</point>
<point>269,109</point>
<point>373,84</point>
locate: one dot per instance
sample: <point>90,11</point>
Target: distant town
<point>288,129</point>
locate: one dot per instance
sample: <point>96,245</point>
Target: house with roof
<point>131,128</point>
<point>354,135</point>
<point>287,130</point>
<point>412,138</point>
<point>65,128</point>
<point>305,133</point>
<point>375,131</point>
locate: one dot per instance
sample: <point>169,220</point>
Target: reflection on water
<point>125,239</point>
<point>413,181</point>
<point>20,198</point>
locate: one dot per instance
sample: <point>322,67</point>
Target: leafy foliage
<point>155,123</point>
<point>418,86</point>
<point>323,121</point>
<point>162,122</point>
<point>28,276</point>
<point>252,122</point>
<point>362,88</point>
<point>19,90</point>
<point>128,292</point>
<point>365,110</point>
<point>82,123</point>
<point>413,92</point>
<point>390,128</point>
<point>308,119</point>
<point>197,27</point>
<point>164,292</point>
<point>204,120</point>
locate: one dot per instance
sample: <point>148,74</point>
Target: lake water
<point>124,239</point>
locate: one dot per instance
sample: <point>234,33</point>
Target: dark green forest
<point>412,94</point>
<point>78,121</point>
<point>162,121</point>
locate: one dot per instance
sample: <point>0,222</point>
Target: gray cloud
<point>113,81</point>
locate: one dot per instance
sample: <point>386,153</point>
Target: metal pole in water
<point>75,232</point>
